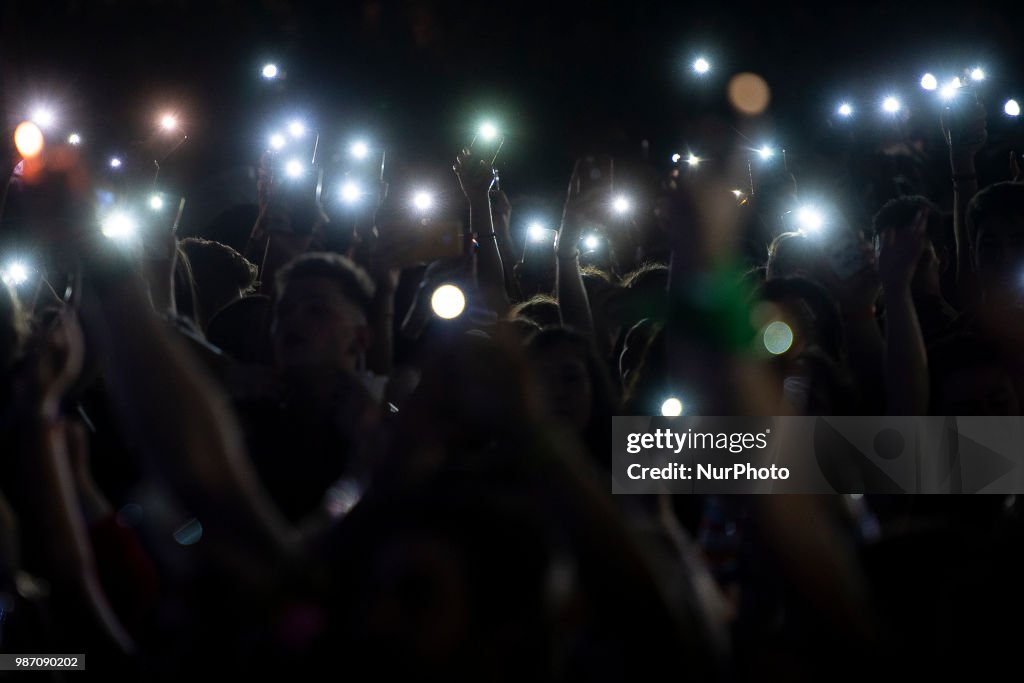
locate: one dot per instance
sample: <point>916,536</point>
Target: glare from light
<point>350,192</point>
<point>766,152</point>
<point>74,139</point>
<point>845,109</point>
<point>14,273</point>
<point>621,204</point>
<point>168,122</point>
<point>693,160</point>
<point>119,226</point>
<point>809,219</point>
<point>269,71</point>
<point>43,116</point>
<point>977,74</point>
<point>676,158</point>
<point>1012,108</point>
<point>737,193</point>
<point>891,105</point>
<point>28,139</point>
<point>297,129</point>
<point>701,65</point>
<point>277,141</point>
<point>359,149</point>
<point>448,302</point>
<point>777,337</point>
<point>591,242</point>
<point>672,407</point>
<point>293,169</point>
<point>488,131</point>
<point>115,162</point>
<point>929,82</point>
<point>422,200</point>
<point>537,232</point>
<point>156,202</point>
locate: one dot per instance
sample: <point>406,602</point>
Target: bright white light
<point>891,105</point>
<point>947,92</point>
<point>119,226</point>
<point>591,242</point>
<point>359,149</point>
<point>766,152</point>
<point>845,109</point>
<point>115,162</point>
<point>277,141</point>
<point>676,158</point>
<point>15,273</point>
<point>156,202</point>
<point>737,193</point>
<point>423,200</point>
<point>488,131</point>
<point>43,116</point>
<point>929,82</point>
<point>977,74</point>
<point>74,139</point>
<point>269,71</point>
<point>672,407</point>
<point>350,193</point>
<point>168,122</point>
<point>448,302</point>
<point>809,219</point>
<point>297,129</point>
<point>777,337</point>
<point>693,159</point>
<point>701,65</point>
<point>621,204</point>
<point>537,232</point>
<point>1012,108</point>
<point>293,169</point>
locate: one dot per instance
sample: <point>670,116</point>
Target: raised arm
<point>573,306</point>
<point>476,177</point>
<point>906,365</point>
<point>965,133</point>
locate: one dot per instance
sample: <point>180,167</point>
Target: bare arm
<point>573,305</point>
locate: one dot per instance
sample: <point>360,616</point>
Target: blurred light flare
<point>537,232</point>
<point>28,138</point>
<point>43,116</point>
<point>891,104</point>
<point>929,82</point>
<point>845,109</point>
<point>622,204</point>
<point>448,302</point>
<point>297,129</point>
<point>672,407</point>
<point>809,219</point>
<point>168,122</point>
<point>156,202</point>
<point>269,71</point>
<point>766,152</point>
<point>115,162</point>
<point>74,139</point>
<point>676,158</point>
<point>977,74</point>
<point>777,337</point>
<point>591,242</point>
<point>1011,108</point>
<point>693,160</point>
<point>422,200</point>
<point>701,65</point>
<point>277,141</point>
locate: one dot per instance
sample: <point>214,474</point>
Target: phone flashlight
<point>293,169</point>
<point>297,129</point>
<point>891,105</point>
<point>359,149</point>
<point>701,66</point>
<point>14,274</point>
<point>43,116</point>
<point>350,192</point>
<point>422,200</point>
<point>845,109</point>
<point>777,337</point>
<point>74,139</point>
<point>28,139</point>
<point>277,141</point>
<point>672,407</point>
<point>119,226</point>
<point>156,202</point>
<point>766,152</point>
<point>621,204</point>
<point>929,82</point>
<point>270,71</point>
<point>1012,108</point>
<point>168,122</point>
<point>115,162</point>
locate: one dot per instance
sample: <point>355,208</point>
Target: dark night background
<point>419,75</point>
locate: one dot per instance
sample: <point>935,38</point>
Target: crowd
<point>266,449</point>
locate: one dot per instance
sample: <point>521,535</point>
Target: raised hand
<point>900,252</point>
<point>476,176</point>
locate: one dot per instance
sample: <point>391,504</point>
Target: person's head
<point>320,313</point>
<point>995,224</point>
<point>643,294</point>
<point>968,377</point>
<point>898,214</point>
<point>574,380</point>
<point>540,308</point>
<point>221,275</point>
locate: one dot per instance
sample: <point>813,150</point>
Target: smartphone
<point>486,148</point>
<point>539,246</point>
<point>959,113</point>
